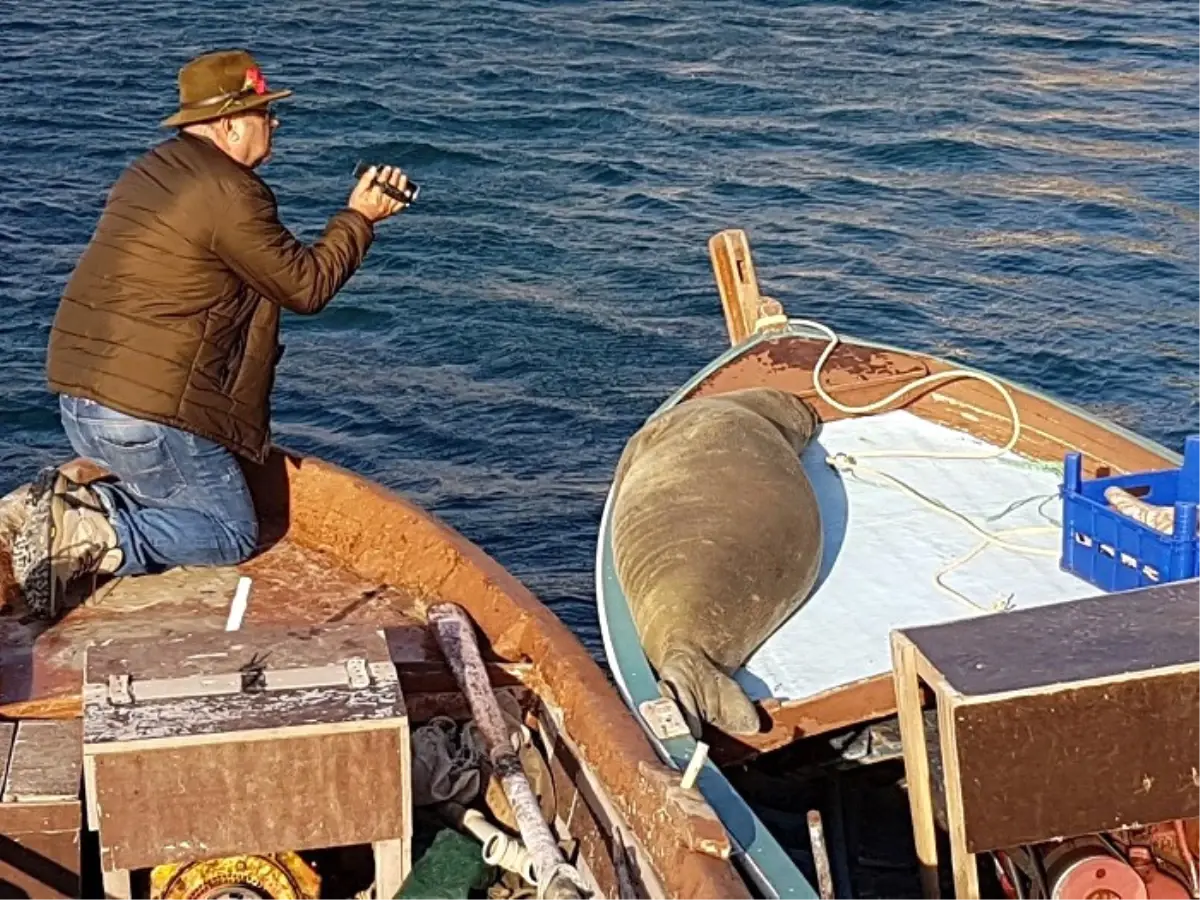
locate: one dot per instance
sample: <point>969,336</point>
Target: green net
<point>451,868</point>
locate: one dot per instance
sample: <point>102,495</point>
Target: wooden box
<point>218,744</point>
<point>1058,721</point>
<point>40,812</point>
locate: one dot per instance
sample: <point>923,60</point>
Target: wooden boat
<point>824,681</point>
<point>340,549</point>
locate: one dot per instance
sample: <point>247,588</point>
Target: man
<point>164,347</point>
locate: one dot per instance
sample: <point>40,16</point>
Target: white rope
<point>834,340</point>
<point>847,463</point>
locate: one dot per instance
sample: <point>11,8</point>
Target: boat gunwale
<point>688,850</point>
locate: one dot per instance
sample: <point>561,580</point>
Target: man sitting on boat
<point>164,347</point>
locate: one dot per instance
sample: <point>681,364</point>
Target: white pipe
<point>695,764</point>
<point>556,878</point>
<point>499,849</point>
<point>237,609</point>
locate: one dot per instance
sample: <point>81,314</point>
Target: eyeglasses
<point>266,112</point>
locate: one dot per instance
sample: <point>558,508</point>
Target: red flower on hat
<point>255,80</point>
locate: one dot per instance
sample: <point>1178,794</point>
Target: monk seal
<point>717,539</point>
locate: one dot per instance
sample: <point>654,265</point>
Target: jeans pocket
<point>142,462</point>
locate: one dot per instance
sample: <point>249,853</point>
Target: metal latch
<point>664,718</point>
<point>355,673</point>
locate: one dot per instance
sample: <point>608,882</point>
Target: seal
<point>717,539</point>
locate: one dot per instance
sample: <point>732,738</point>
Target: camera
<point>408,195</point>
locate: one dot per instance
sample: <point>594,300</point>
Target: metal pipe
<point>556,878</point>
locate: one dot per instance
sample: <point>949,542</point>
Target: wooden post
<point>737,282</point>
<point>916,761</point>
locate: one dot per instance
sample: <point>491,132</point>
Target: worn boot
<point>14,511</point>
<point>67,536</point>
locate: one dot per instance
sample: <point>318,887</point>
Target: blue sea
<point>1010,183</point>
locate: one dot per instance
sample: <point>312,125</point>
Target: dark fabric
<point>172,313</point>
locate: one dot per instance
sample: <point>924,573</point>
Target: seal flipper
<point>704,693</point>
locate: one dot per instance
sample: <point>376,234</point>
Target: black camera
<point>408,195</point>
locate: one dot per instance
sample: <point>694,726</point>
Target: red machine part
<point>1085,869</point>
<point>1158,883</point>
<point>1158,863</point>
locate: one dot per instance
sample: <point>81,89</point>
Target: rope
<point>834,340</point>
<point>846,463</point>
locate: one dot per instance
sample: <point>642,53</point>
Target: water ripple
<point>1008,183</point>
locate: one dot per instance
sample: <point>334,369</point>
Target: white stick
<point>695,764</point>
<point>453,629</point>
<point>237,609</point>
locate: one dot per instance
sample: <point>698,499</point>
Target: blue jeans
<point>177,499</point>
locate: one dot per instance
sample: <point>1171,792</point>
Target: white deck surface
<point>883,548</point>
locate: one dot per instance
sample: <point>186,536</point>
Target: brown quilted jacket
<point>172,313</point>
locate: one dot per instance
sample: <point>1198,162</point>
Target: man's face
<point>248,136</point>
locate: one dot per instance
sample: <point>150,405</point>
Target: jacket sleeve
<point>252,241</point>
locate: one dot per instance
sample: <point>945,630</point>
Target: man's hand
<point>372,202</point>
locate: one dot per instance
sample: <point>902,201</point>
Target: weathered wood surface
<point>40,812</point>
<point>222,683</point>
<point>737,282</point>
<point>1098,637</point>
<point>41,665</point>
<point>1053,722</point>
<point>201,653</point>
<point>8,733</point>
<point>46,762</point>
<point>1079,760</point>
<point>40,863</point>
<point>194,717</point>
<point>173,804</point>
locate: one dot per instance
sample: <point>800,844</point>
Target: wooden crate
<point>1053,722</point>
<point>41,815</point>
<point>217,744</point>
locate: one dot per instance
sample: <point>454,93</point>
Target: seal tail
<point>706,694</point>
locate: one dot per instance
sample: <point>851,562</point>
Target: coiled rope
<point>849,464</point>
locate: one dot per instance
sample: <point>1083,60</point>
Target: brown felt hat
<point>218,84</point>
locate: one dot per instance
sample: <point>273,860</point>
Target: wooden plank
<point>916,761</point>
<point>862,701</point>
<point>104,723</point>
<point>46,762</point>
<point>1080,760</point>
<point>962,860</point>
<point>391,866</point>
<point>580,821</point>
<point>1094,638</point>
<point>853,374</point>
<point>40,863</point>
<point>175,804</point>
<point>8,732</point>
<point>31,818</point>
<point>207,653</point>
<point>737,282</point>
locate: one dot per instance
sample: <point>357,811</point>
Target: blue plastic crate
<point>1108,549</point>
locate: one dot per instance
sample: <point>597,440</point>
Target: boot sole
<point>33,549</point>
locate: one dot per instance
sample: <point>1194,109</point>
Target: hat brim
<point>209,113</point>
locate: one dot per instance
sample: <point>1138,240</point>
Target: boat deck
<point>290,585</point>
<point>884,547</point>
